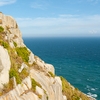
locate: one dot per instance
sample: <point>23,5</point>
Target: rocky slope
<point>23,75</point>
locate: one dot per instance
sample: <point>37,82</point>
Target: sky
<point>55,18</point>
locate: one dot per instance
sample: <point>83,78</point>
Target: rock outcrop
<point>23,75</point>
<point>4,66</point>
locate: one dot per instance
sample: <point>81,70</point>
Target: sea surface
<point>76,59</point>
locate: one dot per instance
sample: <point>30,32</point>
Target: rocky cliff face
<point>23,75</point>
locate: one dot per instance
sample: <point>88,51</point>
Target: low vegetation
<point>7,87</point>
<point>24,73</point>
<point>5,44</point>
<point>52,75</point>
<point>15,44</point>
<point>34,84</point>
<point>72,93</point>
<point>14,73</point>
<point>1,29</point>
<point>23,53</point>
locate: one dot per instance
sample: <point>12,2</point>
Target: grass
<point>70,93</point>
<point>24,73</point>
<point>16,62</point>
<point>15,44</point>
<point>23,53</point>
<point>5,44</point>
<point>14,73</point>
<point>52,75</point>
<point>34,84</point>
<point>1,29</point>
<point>7,87</point>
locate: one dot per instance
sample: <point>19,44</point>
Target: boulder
<point>5,65</point>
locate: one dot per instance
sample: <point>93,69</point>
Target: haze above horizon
<point>55,18</point>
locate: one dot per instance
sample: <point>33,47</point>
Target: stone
<point>31,58</point>
<point>5,65</point>
<point>58,80</point>
<point>27,82</point>
<point>30,96</point>
<point>39,91</point>
<point>22,67</point>
<point>64,97</point>
<point>50,68</point>
<point>11,44</point>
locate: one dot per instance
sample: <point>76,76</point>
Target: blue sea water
<point>76,59</point>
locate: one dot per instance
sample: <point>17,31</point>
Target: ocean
<point>76,59</point>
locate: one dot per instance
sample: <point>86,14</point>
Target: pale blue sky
<point>55,18</point>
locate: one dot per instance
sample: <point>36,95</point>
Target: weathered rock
<point>39,91</point>
<point>50,68</point>
<point>58,80</point>
<point>27,82</point>
<point>44,66</point>
<point>52,87</point>
<point>11,28</point>
<point>22,67</point>
<point>31,58</point>
<point>64,97</point>
<point>5,65</point>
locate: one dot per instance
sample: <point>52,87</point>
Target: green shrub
<point>5,44</point>
<point>23,53</point>
<point>14,73</point>
<point>1,29</point>
<point>52,75</point>
<point>34,84</point>
<point>15,44</point>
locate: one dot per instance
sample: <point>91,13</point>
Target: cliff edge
<point>23,75</point>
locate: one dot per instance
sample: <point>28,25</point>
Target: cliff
<point>23,75</point>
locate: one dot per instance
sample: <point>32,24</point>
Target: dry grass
<point>7,87</point>
<point>51,74</point>
<point>70,93</point>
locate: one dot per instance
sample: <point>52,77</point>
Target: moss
<point>34,84</point>
<point>15,44</point>
<point>14,73</point>
<point>1,29</point>
<point>70,93</point>
<point>52,75</point>
<point>23,53</point>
